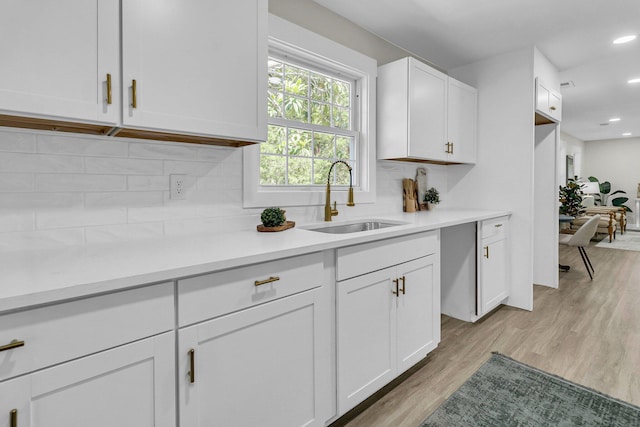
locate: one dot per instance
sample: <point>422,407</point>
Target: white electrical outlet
<point>177,187</point>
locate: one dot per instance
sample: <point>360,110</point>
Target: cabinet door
<point>56,57</point>
<point>427,112</point>
<point>266,365</point>
<point>366,336</point>
<point>462,119</point>
<point>199,66</point>
<point>14,402</point>
<point>418,325</point>
<point>131,385</point>
<point>555,106</point>
<point>493,277</point>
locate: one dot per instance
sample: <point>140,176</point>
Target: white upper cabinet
<point>418,119</point>
<point>462,122</point>
<point>548,104</point>
<point>57,59</point>
<point>197,67</point>
<point>192,71</point>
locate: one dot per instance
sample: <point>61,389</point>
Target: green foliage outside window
<point>309,127</point>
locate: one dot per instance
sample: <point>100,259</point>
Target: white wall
<point>616,161</point>
<point>545,221</point>
<point>570,146</point>
<point>503,176</point>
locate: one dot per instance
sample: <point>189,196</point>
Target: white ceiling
<point>575,35</point>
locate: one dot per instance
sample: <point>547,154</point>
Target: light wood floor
<point>585,331</point>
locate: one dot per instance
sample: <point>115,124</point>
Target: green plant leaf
<point>619,192</point>
<point>593,179</point>
<point>605,187</point>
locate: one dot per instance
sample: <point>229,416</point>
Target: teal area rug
<point>505,392</point>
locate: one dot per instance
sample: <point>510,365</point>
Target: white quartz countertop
<point>40,277</point>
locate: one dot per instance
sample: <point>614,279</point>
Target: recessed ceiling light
<point>615,119</point>
<point>624,39</point>
<point>637,80</point>
<point>626,134</point>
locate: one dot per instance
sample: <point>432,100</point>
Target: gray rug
<point>629,241</point>
<point>504,392</point>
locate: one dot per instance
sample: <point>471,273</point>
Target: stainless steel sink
<point>354,227</point>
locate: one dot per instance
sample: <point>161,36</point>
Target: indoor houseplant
<point>431,197</point>
<point>571,199</point>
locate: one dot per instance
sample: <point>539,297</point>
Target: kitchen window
<point>321,108</point>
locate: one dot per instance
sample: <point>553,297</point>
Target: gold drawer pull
<point>192,365</point>
<point>13,418</point>
<point>552,108</point>
<point>498,225</point>
<point>397,291</point>
<point>134,94</point>
<point>486,252</point>
<point>11,345</point>
<point>269,280</point>
<point>403,284</point>
<point>109,97</point>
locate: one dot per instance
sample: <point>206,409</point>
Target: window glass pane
<point>296,109</point>
<point>323,145</point>
<point>321,169</point>
<point>341,117</point>
<point>274,104</point>
<point>276,142</point>
<point>341,93</point>
<point>296,80</point>
<point>320,87</point>
<point>343,147</point>
<point>272,170</point>
<point>299,142</point>
<point>320,114</point>
<point>275,75</point>
<point>299,171</point>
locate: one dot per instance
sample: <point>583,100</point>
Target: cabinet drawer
<point>361,259</point>
<point>205,297</point>
<point>496,227</point>
<point>65,331</point>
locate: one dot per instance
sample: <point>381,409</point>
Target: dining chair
<point>581,239</point>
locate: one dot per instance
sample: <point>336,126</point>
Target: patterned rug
<point>504,392</point>
<point>629,241</point>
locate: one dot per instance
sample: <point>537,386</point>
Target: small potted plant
<point>431,198</point>
<point>274,219</point>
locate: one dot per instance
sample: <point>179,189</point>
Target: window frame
<point>298,45</point>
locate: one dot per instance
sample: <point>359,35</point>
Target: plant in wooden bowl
<point>432,198</point>
<point>274,219</point>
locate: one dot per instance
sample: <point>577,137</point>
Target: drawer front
<point>496,227</point>
<point>356,260</point>
<point>212,295</point>
<point>61,332</point>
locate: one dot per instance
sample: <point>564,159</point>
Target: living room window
<point>321,108</point>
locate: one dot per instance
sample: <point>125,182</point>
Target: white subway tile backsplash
<point>148,183</point>
<point>123,198</point>
<point>81,145</point>
<point>80,182</point>
<point>192,168</point>
<point>120,166</point>
<point>16,221</point>
<point>16,182</point>
<point>40,200</point>
<point>33,163</point>
<point>41,239</point>
<point>17,141</point>
<point>80,218</point>
<point>161,150</point>
<point>161,213</point>
<point>210,153</point>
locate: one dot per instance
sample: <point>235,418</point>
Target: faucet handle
<point>334,211</point>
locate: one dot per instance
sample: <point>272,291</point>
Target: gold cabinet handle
<point>134,94</point>
<point>109,98</point>
<point>269,280</point>
<point>451,152</point>
<point>486,251</point>
<point>552,108</point>
<point>498,225</point>
<point>397,291</point>
<point>192,366</point>
<point>13,418</point>
<point>11,345</point>
<point>403,284</point>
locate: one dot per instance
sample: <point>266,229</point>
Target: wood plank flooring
<point>585,331</point>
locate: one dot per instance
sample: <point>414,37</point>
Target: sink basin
<point>354,227</point>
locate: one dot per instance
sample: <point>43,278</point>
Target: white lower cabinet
<point>130,385</point>
<point>493,272</point>
<point>387,320</point>
<point>269,364</point>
